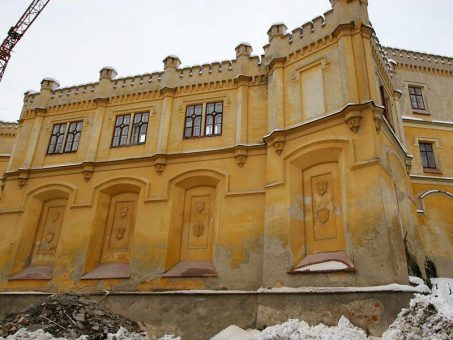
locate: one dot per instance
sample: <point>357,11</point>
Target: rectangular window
<point>385,104</point>
<point>139,128</point>
<point>427,155</point>
<point>214,115</point>
<point>64,138</point>
<point>73,137</point>
<point>130,129</point>
<point>416,96</point>
<point>212,120</point>
<point>121,130</point>
<point>193,121</point>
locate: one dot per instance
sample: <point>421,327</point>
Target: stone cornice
<point>79,167</point>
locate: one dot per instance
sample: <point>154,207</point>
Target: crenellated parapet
<point>8,129</point>
<point>419,61</point>
<point>383,63</point>
<point>345,15</point>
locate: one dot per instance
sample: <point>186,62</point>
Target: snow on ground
<point>122,334</point>
<point>300,330</point>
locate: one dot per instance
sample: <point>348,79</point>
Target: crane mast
<point>16,32</point>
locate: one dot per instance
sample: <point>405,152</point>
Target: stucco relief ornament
<point>49,237</point>
<point>322,202</point>
<point>119,233</point>
<point>124,212</point>
<point>54,216</point>
<point>353,120</point>
<point>198,229</point>
<point>199,206</point>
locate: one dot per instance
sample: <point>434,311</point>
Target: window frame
<point>417,96</point>
<point>204,119</point>
<point>424,155</point>
<point>214,116</point>
<point>193,118</point>
<point>130,129</point>
<point>385,103</point>
<point>65,135</point>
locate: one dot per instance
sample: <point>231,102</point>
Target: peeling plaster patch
<point>77,271</point>
<point>296,208</point>
<point>244,266</point>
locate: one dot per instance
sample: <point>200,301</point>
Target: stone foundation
<point>200,315</point>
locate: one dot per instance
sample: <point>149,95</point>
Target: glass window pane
<point>189,111</point>
<point>411,90</point>
<point>210,108</point>
<point>198,110</point>
<point>219,107</point>
<point>188,132</point>
<point>218,129</point>
<point>424,160</point>
<point>197,122</point>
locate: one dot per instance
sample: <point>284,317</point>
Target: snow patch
<point>323,266</point>
<point>234,332</point>
<point>416,280</point>
<point>122,334</point>
<point>300,330</point>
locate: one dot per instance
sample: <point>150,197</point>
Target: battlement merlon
<point>401,56</point>
<point>281,45</point>
<point>343,12</point>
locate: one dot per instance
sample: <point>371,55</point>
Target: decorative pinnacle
<point>277,29</point>
<point>107,72</point>
<point>243,49</point>
<point>49,84</point>
<point>171,61</point>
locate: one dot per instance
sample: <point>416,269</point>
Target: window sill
<point>327,262</point>
<point>192,269</point>
<point>61,153</point>
<point>421,112</point>
<point>198,137</point>
<point>33,273</point>
<point>126,145</point>
<point>432,171</point>
<point>108,271</point>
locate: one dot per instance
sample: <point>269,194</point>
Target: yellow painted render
<point>303,146</point>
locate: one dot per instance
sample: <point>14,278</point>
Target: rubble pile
<point>426,318</point>
<point>68,316</point>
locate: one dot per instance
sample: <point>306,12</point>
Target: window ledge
<point>336,261</point>
<point>421,112</point>
<point>33,273</point>
<point>108,271</point>
<point>192,269</point>
<point>432,171</point>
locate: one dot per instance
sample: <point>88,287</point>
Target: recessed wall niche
<point>110,244</point>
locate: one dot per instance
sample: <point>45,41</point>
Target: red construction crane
<point>16,32</point>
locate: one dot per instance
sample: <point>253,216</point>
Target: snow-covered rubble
<point>426,318</point>
<point>300,330</point>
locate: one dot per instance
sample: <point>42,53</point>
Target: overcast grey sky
<point>73,39</point>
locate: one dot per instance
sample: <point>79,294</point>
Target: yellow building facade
<point>298,168</point>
